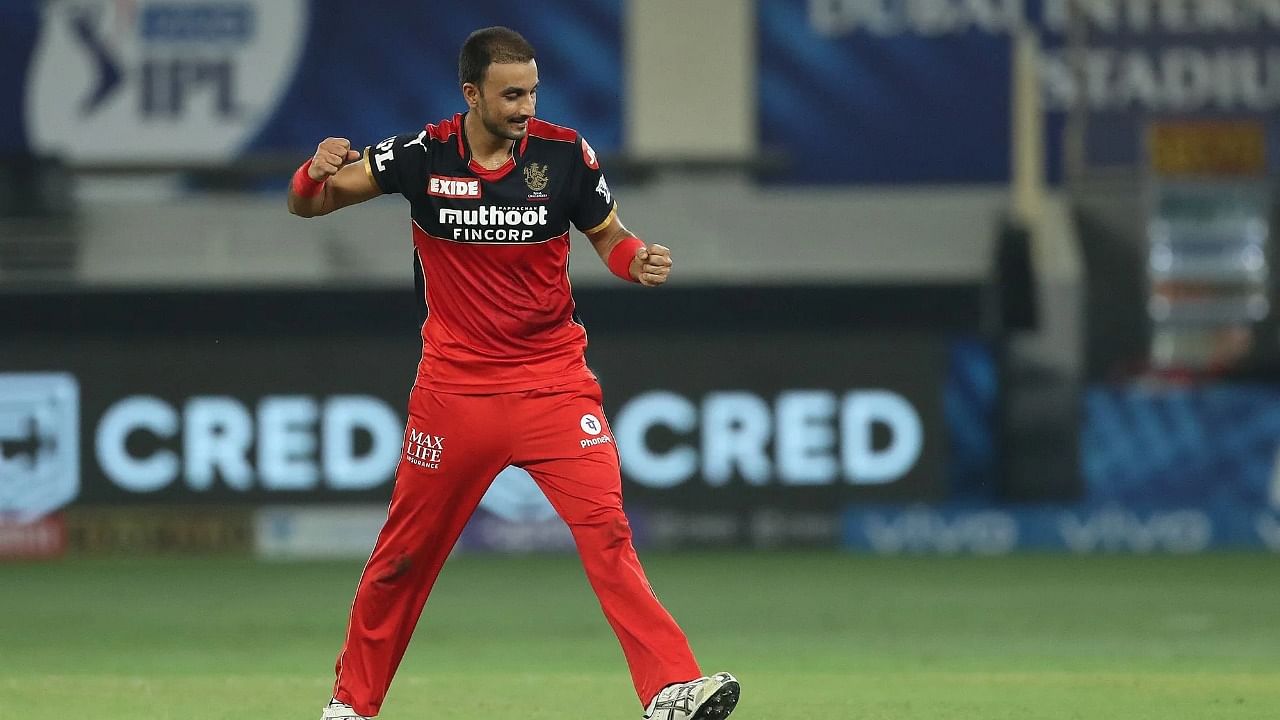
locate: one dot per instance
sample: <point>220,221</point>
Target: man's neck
<point>487,149</point>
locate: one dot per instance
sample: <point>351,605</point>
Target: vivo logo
<point>921,530</point>
<point>1116,529</point>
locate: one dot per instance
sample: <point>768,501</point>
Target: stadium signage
<point>255,409</point>
<point>202,76</point>
<point>41,539</point>
<point>287,443</point>
<point>1114,528</point>
<point>215,444</point>
<point>799,437</point>
<point>39,456</point>
<point>1081,529</point>
<point>922,530</point>
<point>1159,56</point>
<point>1128,61</point>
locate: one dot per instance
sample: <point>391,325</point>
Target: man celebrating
<point>503,378</point>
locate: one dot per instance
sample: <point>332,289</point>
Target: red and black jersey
<point>491,252</point>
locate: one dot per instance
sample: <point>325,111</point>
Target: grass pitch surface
<point>811,635</point>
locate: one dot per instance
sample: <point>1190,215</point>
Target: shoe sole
<point>720,704</point>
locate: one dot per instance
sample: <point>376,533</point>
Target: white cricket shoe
<point>340,711</point>
<point>707,698</point>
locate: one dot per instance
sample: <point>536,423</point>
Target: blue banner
<point>855,96</point>
<point>1081,529</point>
<point>1166,470</point>
<point>896,91</point>
<point>1211,446</point>
<point>19,21</point>
<point>206,81</point>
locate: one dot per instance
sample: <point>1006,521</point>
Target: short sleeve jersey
<point>491,253</point>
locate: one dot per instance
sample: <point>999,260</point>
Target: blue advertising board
<point>853,96</point>
<point>1175,470</point>
<point>897,91</point>
<point>206,81</point>
<point>849,91</point>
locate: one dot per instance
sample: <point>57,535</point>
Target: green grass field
<point>813,635</point>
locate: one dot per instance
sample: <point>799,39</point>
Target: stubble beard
<point>502,128</point>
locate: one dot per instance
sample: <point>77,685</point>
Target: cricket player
<point>503,378</point>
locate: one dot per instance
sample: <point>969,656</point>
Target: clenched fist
<point>651,265</point>
<point>331,155</point>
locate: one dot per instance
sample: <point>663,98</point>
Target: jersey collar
<point>480,171</point>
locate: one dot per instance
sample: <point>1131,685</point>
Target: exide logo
<point>450,187</point>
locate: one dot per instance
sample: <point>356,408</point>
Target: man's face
<point>506,98</point>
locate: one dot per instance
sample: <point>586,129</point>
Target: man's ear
<point>471,94</point>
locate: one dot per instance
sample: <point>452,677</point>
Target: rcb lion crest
<point>535,176</point>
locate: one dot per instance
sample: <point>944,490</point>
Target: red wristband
<point>303,185</point>
<point>621,255</point>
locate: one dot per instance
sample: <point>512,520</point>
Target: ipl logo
<point>39,443</point>
<point>166,80</point>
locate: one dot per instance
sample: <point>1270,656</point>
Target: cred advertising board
<point>732,420</point>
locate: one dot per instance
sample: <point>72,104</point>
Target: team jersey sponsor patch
<point>453,187</point>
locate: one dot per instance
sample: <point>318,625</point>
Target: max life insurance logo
<point>424,449</point>
<point>39,448</point>
<point>165,80</point>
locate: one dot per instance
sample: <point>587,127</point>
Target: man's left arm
<point>595,213</point>
<point>623,252</point>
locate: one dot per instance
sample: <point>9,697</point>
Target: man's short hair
<point>490,45</point>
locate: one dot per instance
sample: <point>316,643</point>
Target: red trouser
<point>454,446</point>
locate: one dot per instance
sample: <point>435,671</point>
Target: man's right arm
<point>332,179</point>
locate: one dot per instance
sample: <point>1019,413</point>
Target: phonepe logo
<point>286,443</point>
<point>802,437</point>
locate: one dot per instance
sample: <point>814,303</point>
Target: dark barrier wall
<point>733,398</point>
